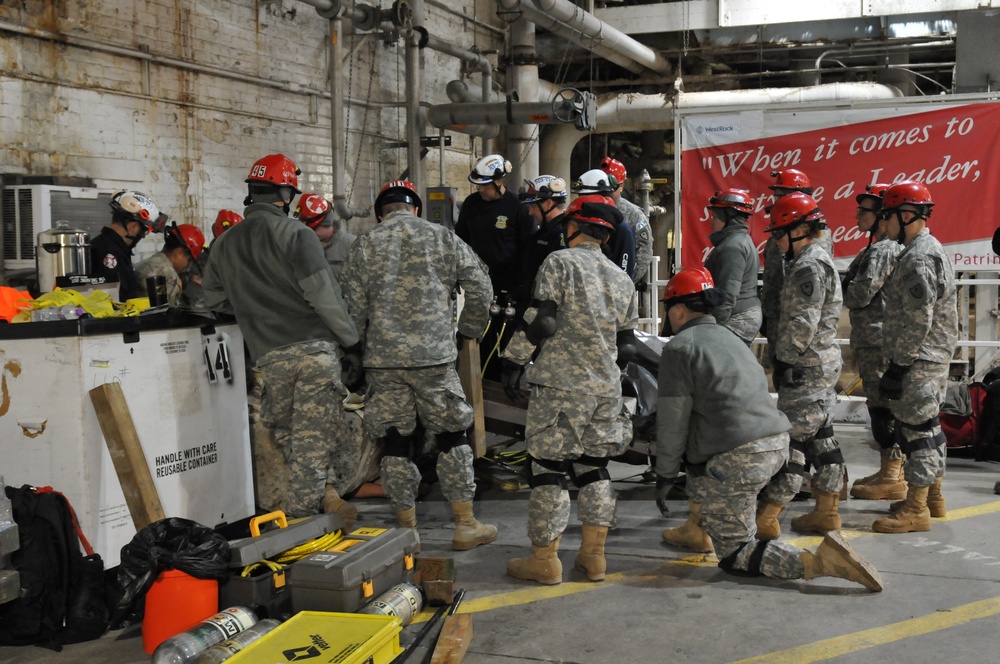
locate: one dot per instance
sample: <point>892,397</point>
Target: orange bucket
<point>176,602</point>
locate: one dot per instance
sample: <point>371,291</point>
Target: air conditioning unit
<point>27,210</point>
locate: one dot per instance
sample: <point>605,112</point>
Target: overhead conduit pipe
<point>629,112</point>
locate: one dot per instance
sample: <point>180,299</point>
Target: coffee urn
<point>61,252</point>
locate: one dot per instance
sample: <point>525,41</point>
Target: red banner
<point>952,149</point>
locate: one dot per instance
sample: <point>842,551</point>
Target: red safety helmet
<point>874,192</point>
<point>276,169</point>
<point>397,191</point>
<point>615,168</point>
<point>595,209</point>
<point>733,199</point>
<point>224,220</point>
<point>907,191</point>
<point>688,284</point>
<point>312,210</point>
<point>791,210</point>
<point>792,179</point>
<point>188,235</point>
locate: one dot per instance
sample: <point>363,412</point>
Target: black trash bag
<point>173,543</point>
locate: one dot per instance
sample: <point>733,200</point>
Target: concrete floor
<point>941,602</point>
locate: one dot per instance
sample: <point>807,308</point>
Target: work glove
<point>460,340</point>
<point>890,386</point>
<point>510,378</point>
<point>786,375</point>
<point>352,369</point>
<point>663,487</point>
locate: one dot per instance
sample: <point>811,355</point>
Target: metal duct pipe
<point>459,92</point>
<point>337,129</point>
<point>414,117</point>
<point>574,24</point>
<point>617,113</point>
<point>522,139</point>
<point>502,113</point>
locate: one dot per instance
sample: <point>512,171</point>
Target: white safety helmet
<point>544,187</point>
<point>596,181</point>
<point>489,168</point>
<point>136,206</point>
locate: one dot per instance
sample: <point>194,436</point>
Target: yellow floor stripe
<point>877,636</point>
<point>538,593</point>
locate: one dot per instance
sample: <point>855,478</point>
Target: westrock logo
<point>700,129</point>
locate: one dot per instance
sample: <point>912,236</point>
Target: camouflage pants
<point>562,427</point>
<point>300,405</point>
<point>807,408</point>
<point>923,391</point>
<point>728,496</point>
<point>434,395</point>
<point>871,364</point>
<point>746,324</point>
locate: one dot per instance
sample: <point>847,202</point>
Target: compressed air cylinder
<point>403,600</point>
<point>226,649</point>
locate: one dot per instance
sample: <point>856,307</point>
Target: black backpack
<point>62,598</point>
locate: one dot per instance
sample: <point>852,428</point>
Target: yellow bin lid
<point>317,636</point>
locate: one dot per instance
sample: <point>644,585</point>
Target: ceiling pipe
<point>414,117</point>
<point>572,23</point>
<point>617,113</point>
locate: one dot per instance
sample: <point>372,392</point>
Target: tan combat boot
<point>911,517</point>
<point>333,503</point>
<point>690,535</point>
<point>768,527</point>
<point>408,519</point>
<point>542,565</point>
<point>590,557</point>
<point>469,533</point>
<point>935,500</point>
<point>886,484</point>
<point>836,558</point>
<point>824,516</point>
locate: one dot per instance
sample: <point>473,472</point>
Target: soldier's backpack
<point>62,598</point>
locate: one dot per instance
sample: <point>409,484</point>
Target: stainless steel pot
<point>61,251</point>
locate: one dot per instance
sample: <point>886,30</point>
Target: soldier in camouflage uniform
<point>582,322</point>
<point>863,295</point>
<point>634,217</point>
<point>806,367</point>
<point>182,246</point>
<point>714,410</point>
<point>919,335</point>
<point>269,271</point>
<point>785,182</point>
<point>400,282</point>
<point>734,263</point>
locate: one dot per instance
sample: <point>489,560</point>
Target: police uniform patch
<point>501,222</point>
<point>110,261</point>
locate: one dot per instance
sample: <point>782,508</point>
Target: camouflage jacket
<point>399,285</point>
<point>158,265</point>
<point>636,218</point>
<point>863,291</point>
<point>921,305</point>
<point>594,301</point>
<point>810,310</point>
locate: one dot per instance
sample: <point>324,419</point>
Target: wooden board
<point>437,577</point>
<point>454,640</point>
<point>469,371</point>
<point>126,454</point>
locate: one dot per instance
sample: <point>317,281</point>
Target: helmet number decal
<point>258,171</point>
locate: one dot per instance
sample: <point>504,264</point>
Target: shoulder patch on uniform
<point>501,222</point>
<point>110,261</point>
<point>917,291</point>
<point>807,288</point>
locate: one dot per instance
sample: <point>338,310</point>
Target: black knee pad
<point>589,477</point>
<point>396,444</point>
<point>555,477</point>
<point>927,441</point>
<point>727,564</point>
<point>830,458</point>
<point>447,440</point>
<point>824,432</point>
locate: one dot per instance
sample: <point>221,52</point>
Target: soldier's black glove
<point>890,385</point>
<point>510,378</point>
<point>786,375</point>
<point>352,370</point>
<point>663,487</point>
<point>460,340</point>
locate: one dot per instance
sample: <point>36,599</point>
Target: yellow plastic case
<point>344,638</point>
